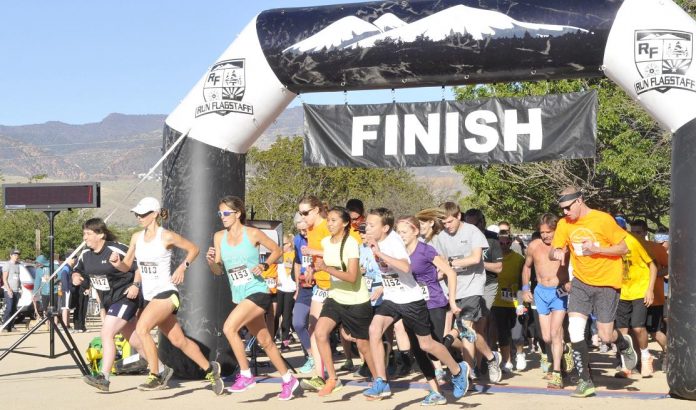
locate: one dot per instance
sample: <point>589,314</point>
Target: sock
<point>156,375</point>
<point>208,370</point>
<point>644,353</point>
<point>160,366</point>
<point>106,375</point>
<point>287,377</point>
<point>245,373</point>
<point>621,342</point>
<point>581,356</point>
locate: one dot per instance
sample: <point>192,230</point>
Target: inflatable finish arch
<point>645,46</point>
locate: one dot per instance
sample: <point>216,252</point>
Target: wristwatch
<point>186,264</point>
<point>265,265</point>
<point>136,284</point>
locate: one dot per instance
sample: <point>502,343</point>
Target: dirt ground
<point>28,382</point>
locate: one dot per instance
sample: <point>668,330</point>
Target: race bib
<point>149,269</point>
<point>100,283</point>
<point>306,261</point>
<point>271,283</point>
<point>391,281</point>
<point>425,291</point>
<point>560,292</point>
<point>319,294</point>
<point>240,275</point>
<point>507,295</point>
<point>368,282</point>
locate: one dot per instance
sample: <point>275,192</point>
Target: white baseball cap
<point>147,204</point>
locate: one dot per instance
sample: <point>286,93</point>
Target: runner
<point>312,211</point>
<point>403,299</point>
<point>236,252</point>
<point>596,244</point>
<point>117,292</point>
<point>286,292</point>
<point>550,294</point>
<point>348,303</point>
<point>303,294</point>
<point>425,264</point>
<point>463,245</point>
<point>152,248</point>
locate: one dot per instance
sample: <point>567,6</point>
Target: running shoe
<point>467,333</point>
<point>348,366</point>
<point>585,388</point>
<point>646,367</point>
<point>460,382</point>
<point>623,373</point>
<point>153,382</point>
<point>330,386</point>
<point>434,399</point>
<point>166,375</point>
<point>363,371</point>
<point>545,367</point>
<point>287,389</point>
<point>316,383</point>
<point>494,372</point>
<point>307,367</point>
<point>379,390</point>
<point>520,362</point>
<point>547,376</point>
<point>98,381</point>
<point>242,383</point>
<point>213,376</point>
<point>440,376</point>
<point>603,347</point>
<point>507,368</point>
<point>628,355</point>
<point>285,346</point>
<point>556,381</point>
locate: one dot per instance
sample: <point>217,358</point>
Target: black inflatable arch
<point>645,46</point>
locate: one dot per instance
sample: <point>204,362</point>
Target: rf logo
<point>224,89</point>
<point>663,59</point>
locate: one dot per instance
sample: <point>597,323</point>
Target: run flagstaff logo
<point>224,89</point>
<point>663,58</point>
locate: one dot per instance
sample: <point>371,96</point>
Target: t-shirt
<point>285,281</point>
<point>370,271</point>
<point>314,237</point>
<point>472,279</point>
<point>345,293</point>
<point>13,281</point>
<point>493,254</point>
<point>509,280</point>
<point>636,272</point>
<point>398,287</point>
<point>109,282</point>
<point>600,229</point>
<point>425,274</point>
<point>270,276</point>
<point>659,255</point>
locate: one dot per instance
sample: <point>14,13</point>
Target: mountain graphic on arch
<point>352,32</point>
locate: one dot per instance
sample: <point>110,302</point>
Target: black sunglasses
<point>305,213</point>
<point>567,207</point>
<point>145,215</point>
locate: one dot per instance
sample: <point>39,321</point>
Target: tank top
<point>239,260</point>
<point>154,261</point>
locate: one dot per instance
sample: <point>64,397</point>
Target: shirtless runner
<point>551,293</point>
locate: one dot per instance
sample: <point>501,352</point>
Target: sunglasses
<point>226,213</point>
<point>305,213</point>
<point>567,207</point>
<point>145,215</point>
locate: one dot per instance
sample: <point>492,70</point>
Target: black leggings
<point>286,302</point>
<point>437,330</point>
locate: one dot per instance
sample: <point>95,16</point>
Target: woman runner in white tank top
<point>152,248</point>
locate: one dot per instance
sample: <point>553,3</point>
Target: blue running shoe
<point>460,382</point>
<point>434,399</point>
<point>307,367</point>
<point>379,390</point>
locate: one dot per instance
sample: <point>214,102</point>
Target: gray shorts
<point>489,292</point>
<point>587,299</point>
<point>473,308</point>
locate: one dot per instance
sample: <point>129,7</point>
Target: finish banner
<point>486,131</point>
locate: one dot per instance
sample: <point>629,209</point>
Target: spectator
<point>10,279</point>
<point>41,277</point>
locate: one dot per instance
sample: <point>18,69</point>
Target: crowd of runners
<point>439,291</point>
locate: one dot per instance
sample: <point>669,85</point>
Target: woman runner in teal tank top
<point>236,254</point>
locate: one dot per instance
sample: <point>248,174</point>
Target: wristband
<point>136,284</point>
<point>525,288</point>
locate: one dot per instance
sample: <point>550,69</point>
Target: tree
<point>629,175</point>
<point>279,180</point>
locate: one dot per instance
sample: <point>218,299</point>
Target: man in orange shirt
<point>596,244</point>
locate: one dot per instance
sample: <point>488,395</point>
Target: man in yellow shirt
<point>596,244</point>
<point>637,295</point>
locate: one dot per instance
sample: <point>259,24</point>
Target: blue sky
<point>78,61</point>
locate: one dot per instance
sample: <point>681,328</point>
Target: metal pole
<point>52,298</point>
